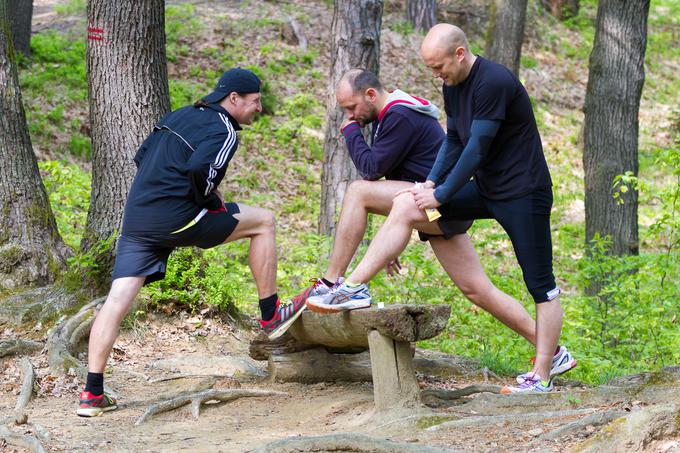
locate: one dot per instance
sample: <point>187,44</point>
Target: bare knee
<point>358,190</point>
<point>404,208</point>
<point>267,222</point>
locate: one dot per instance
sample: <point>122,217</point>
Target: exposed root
<point>66,336</point>
<point>18,346</point>
<point>26,393</point>
<point>432,395</point>
<point>196,399</point>
<point>190,376</point>
<point>596,419</point>
<point>350,443</point>
<point>18,440</point>
<point>498,419</point>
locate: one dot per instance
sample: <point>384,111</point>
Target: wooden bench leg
<point>394,379</point>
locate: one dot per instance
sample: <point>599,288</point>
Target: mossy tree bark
<point>31,250</point>
<point>355,43</point>
<point>422,14</point>
<point>21,13</point>
<point>611,121</point>
<point>128,93</point>
<point>506,32</point>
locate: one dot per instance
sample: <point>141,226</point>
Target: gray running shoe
<point>341,298</point>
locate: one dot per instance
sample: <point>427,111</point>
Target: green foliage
<point>403,27</point>
<point>212,277</point>
<point>86,271</point>
<point>72,8</point>
<point>180,25</point>
<point>68,188</point>
<point>53,83</point>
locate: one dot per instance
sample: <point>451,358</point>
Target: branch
<point>196,399</point>
<point>18,346</point>
<point>26,391</point>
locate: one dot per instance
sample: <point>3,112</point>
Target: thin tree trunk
<point>561,9</point>
<point>611,120</point>
<point>128,93</point>
<point>21,13</point>
<point>31,250</point>
<point>421,13</point>
<point>506,32</point>
<point>355,35</point>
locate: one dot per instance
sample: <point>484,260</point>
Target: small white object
<point>381,305</point>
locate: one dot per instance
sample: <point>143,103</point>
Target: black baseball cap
<point>236,80</point>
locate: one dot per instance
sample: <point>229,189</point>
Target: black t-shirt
<point>514,165</point>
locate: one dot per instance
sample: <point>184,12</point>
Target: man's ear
<point>371,94</point>
<point>460,53</point>
<point>232,97</point>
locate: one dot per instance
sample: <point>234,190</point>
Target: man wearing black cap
<point>174,202</point>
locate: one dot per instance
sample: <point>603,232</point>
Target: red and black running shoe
<point>284,316</point>
<point>92,405</point>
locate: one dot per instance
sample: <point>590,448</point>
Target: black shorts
<point>147,255</point>
<point>526,220</point>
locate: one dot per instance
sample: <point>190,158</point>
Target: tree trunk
<point>611,121</point>
<point>31,250</point>
<point>355,35</point>
<point>421,13</point>
<point>561,9</point>
<point>506,32</point>
<point>128,93</point>
<point>21,13</point>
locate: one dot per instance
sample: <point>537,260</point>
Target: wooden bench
<point>388,333</point>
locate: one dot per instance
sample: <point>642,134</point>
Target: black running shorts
<point>147,255</point>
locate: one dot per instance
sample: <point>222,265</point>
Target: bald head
<point>446,38</point>
<point>445,51</point>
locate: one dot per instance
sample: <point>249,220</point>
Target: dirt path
<point>162,347</point>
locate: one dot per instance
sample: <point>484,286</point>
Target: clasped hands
<point>423,194</point>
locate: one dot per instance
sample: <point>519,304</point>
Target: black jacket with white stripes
<point>178,168</point>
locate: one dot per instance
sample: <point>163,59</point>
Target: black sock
<point>268,306</point>
<point>95,383</point>
<point>326,282</point>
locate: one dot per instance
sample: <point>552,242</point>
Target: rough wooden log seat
<point>316,340</point>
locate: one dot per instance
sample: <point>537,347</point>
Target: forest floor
<point>160,346</point>
<point>164,345</point>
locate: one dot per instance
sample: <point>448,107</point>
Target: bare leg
<point>392,237</point>
<point>362,198</point>
<point>549,317</point>
<point>459,259</point>
<point>260,226</point>
<point>105,328</point>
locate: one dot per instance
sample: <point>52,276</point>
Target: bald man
<point>406,139</point>
<point>491,136</point>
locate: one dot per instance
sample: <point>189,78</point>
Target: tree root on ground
<point>636,431</point>
<point>18,346</point>
<point>596,419</point>
<point>26,393</point>
<point>190,376</point>
<point>66,336</point>
<point>196,399</point>
<point>18,440</point>
<point>350,443</point>
<point>498,419</point>
<point>434,396</point>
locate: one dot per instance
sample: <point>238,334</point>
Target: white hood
<point>398,97</point>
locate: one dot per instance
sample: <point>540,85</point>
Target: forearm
<point>482,134</point>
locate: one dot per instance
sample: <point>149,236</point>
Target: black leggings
<point>527,222</point>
